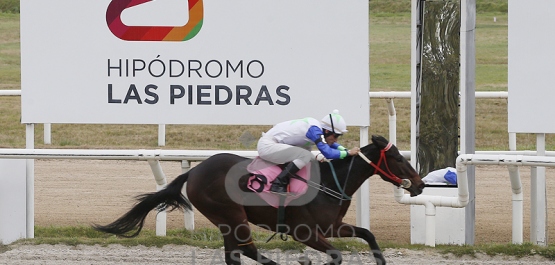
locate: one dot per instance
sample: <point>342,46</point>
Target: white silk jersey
<point>293,132</point>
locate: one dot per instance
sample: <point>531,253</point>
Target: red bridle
<point>405,183</point>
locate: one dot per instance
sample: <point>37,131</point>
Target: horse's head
<point>392,166</point>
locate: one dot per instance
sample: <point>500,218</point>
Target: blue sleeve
<point>338,147</point>
<point>330,153</point>
<point>314,133</point>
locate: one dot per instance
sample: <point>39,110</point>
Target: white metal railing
<point>10,92</point>
<point>511,161</point>
<point>97,154</point>
<point>153,157</point>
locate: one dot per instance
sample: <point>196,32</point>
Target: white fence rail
<point>10,92</point>
<point>153,157</point>
<point>515,158</point>
<point>139,154</point>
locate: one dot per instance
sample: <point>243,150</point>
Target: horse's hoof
<point>380,261</point>
<point>305,261</point>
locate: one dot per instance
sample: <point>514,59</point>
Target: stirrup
<point>279,188</point>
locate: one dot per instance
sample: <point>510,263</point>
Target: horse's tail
<point>170,198</point>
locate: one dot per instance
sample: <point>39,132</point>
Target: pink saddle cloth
<point>269,171</point>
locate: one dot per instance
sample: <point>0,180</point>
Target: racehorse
<point>310,223</point>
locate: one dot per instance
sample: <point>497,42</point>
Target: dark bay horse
<point>309,223</point>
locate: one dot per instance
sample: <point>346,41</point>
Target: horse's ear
<point>379,141</point>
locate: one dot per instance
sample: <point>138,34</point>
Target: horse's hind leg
<point>346,230</point>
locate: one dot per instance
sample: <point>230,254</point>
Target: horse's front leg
<point>347,230</point>
<point>317,241</point>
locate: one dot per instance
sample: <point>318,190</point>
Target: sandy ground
<point>81,192</point>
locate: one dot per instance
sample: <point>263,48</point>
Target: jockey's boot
<point>279,185</point>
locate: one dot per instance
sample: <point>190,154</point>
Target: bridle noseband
<point>405,183</point>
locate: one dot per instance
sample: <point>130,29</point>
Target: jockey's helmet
<point>333,122</point>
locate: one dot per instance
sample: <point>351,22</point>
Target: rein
<point>343,195</point>
<point>405,183</point>
<point>340,196</point>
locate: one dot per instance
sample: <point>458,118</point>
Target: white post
<point>392,121</point>
<point>47,133</point>
<point>30,189</point>
<point>363,194</point>
<point>430,224</point>
<point>512,141</point>
<point>188,215</point>
<point>161,183</point>
<point>161,135</point>
<point>538,199</point>
<point>518,213</point>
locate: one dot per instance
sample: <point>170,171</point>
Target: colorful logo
<point>153,33</point>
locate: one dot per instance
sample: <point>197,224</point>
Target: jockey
<point>291,141</point>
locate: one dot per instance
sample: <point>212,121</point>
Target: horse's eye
<point>399,158</point>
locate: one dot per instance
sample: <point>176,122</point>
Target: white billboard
<point>193,61</point>
<point>531,66</point>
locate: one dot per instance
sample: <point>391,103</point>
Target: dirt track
<point>75,192</point>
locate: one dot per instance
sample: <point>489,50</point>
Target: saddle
<point>264,172</point>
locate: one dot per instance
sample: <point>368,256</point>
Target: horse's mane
<point>366,150</point>
<point>341,166</point>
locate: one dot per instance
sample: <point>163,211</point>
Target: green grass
<point>376,6</point>
<point>519,251</point>
<point>404,6</point>
<point>211,238</point>
<point>9,6</point>
<point>206,237</point>
<point>10,74</point>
